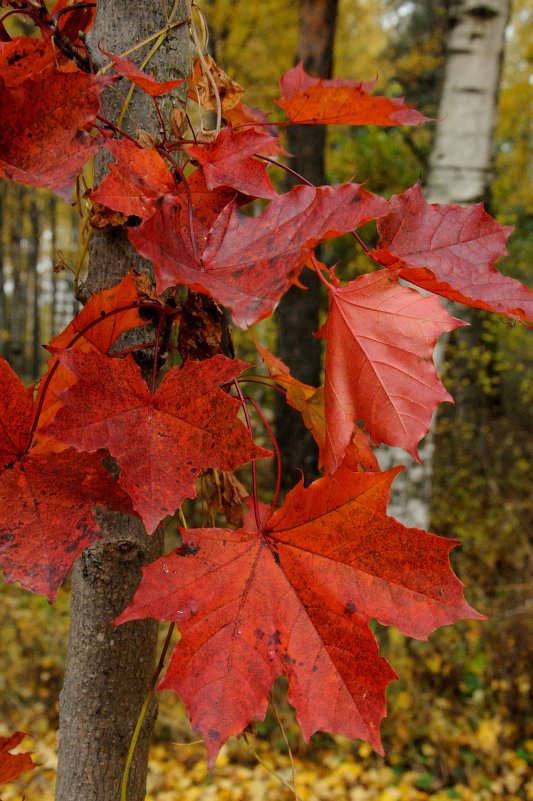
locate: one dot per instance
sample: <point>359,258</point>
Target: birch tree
<point>460,170</point>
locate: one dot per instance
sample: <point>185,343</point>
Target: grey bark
<point>108,669</point>
<point>298,313</point>
<point>460,171</point>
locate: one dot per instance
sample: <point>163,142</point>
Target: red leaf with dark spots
<point>296,599</point>
<point>46,498</point>
<point>248,263</point>
<point>451,250</point>
<point>162,441</point>
<point>42,136</point>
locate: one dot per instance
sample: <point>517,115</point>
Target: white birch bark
<point>460,172</point>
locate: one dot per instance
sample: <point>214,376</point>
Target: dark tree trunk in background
<point>52,221</point>
<point>298,312</point>
<point>33,285</point>
<point>109,669</point>
<point>16,350</point>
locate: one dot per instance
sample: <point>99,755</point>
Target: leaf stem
<point>287,169</point>
<point>254,468</point>
<point>318,271</point>
<point>274,441</point>
<point>142,713</point>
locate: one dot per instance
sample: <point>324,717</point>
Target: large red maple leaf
<point>43,141</point>
<point>161,441</point>
<point>46,498</point>
<point>451,250</point>
<point>296,599</point>
<point>307,100</point>
<point>247,263</point>
<point>379,363</point>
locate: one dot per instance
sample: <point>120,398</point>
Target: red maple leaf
<point>46,498</point>
<point>22,57</point>
<point>95,327</point>
<point>43,141</point>
<point>247,263</point>
<point>451,250</point>
<point>12,765</point>
<point>161,441</point>
<point>307,100</point>
<point>135,181</point>
<point>145,82</point>
<point>296,599</point>
<point>228,161</point>
<point>379,363</point>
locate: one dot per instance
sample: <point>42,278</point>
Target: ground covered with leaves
<point>456,730</point>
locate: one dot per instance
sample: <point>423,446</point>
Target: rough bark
<point>108,669</point>
<point>298,312</point>
<point>462,155</point>
<point>460,172</point>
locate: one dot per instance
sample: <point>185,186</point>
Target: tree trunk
<point>298,312</point>
<point>462,156</point>
<point>34,283</point>
<point>3,304</point>
<point>460,172</point>
<point>109,669</point>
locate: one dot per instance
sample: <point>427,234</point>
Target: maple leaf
<point>95,327</point>
<point>228,161</point>
<point>309,401</point>
<point>12,765</point>
<point>247,263</point>
<point>162,441</point>
<point>145,82</point>
<point>308,100</point>
<point>42,136</point>
<point>46,498</point>
<point>451,250</point>
<point>296,599</point>
<point>135,181</point>
<point>22,57</point>
<point>379,363</point>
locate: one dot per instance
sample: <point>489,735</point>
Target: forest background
<point>459,722</point>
